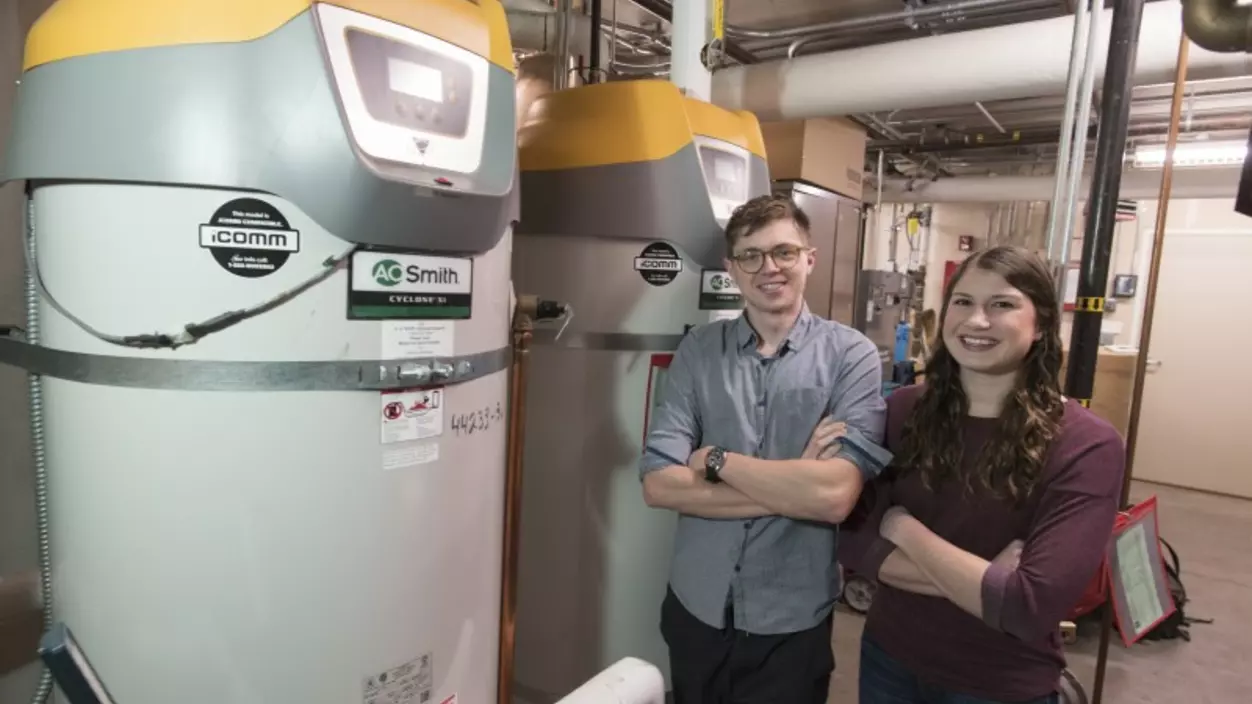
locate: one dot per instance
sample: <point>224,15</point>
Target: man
<point>753,580</point>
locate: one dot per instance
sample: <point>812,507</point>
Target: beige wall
<point>17,515</point>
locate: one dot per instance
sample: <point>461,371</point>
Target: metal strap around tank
<point>203,375</point>
<point>608,341</point>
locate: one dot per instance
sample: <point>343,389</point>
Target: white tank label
<point>410,683</point>
<point>411,415</point>
<point>404,339</point>
<point>410,456</point>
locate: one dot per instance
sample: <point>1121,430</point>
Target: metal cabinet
<point>836,227</point>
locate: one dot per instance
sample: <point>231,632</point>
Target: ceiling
<point>996,137</point>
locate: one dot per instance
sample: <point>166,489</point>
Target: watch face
<point>715,459</point>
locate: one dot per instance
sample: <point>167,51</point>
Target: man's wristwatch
<point>713,463</point>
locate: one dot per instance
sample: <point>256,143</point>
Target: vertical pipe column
<point>597,15</point>
<point>691,25</point>
<point>1060,188</point>
<point>1145,337</point>
<point>1106,182</point>
<point>1078,149</point>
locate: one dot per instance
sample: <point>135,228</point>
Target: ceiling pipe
<point>961,143</point>
<point>950,12</point>
<point>664,11</point>
<point>532,31</point>
<point>1218,25</point>
<point>1140,184</point>
<point>998,63</point>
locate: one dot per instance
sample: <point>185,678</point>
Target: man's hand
<point>825,440</point>
<point>1010,556</point>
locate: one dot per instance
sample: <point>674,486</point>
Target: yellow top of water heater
<point>623,122</point>
<point>72,28</point>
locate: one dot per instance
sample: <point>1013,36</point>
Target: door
<point>1195,420</point>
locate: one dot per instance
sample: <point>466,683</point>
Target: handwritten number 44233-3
<point>477,420</point>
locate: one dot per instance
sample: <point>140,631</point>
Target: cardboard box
<point>827,152</point>
<point>1113,386</point>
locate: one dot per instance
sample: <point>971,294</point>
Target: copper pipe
<point>523,330</point>
<point>1145,334</point>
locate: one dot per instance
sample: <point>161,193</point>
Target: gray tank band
<point>201,375</point>
<point>609,341</point>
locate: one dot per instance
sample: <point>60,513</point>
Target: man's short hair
<point>760,212</point>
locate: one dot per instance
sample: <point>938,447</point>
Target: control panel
<point>725,174</point>
<point>408,97</point>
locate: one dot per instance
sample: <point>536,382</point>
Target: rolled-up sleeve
<point>1064,546</point>
<point>674,426</point>
<point>856,399</point>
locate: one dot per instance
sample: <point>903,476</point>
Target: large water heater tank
<point>271,313</point>
<point>626,187</point>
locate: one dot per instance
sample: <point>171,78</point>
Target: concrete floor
<point>1213,537</point>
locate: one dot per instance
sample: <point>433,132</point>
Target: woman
<point>997,508</point>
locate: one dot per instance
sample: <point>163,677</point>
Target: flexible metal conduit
<point>42,519</point>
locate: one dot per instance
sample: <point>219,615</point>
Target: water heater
<point>270,301</point>
<point>626,187</point>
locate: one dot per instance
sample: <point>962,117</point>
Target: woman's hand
<point>895,520</point>
<point>824,442</point>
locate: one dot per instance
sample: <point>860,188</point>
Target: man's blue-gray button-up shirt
<point>779,574</point>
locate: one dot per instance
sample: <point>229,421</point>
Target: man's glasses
<point>785,256</point>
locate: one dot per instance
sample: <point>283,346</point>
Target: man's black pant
<point>728,666</point>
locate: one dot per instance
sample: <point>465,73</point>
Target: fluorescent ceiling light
<point>1193,154</point>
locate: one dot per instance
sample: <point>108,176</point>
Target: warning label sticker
<point>411,415</point>
<point>249,237</point>
<point>658,263</point>
<point>410,683</point>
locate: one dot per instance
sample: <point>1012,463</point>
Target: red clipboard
<point>1137,530</point>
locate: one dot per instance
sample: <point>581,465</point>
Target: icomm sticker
<point>390,286</point>
<point>249,237</point>
<point>658,263</point>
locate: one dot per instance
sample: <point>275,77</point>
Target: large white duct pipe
<point>1024,60</point>
<point>536,31</point>
<point>1137,184</point>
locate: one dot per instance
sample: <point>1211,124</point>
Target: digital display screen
<point>726,170</point>
<point>415,79</point>
<point>725,174</point>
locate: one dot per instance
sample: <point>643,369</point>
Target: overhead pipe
<point>1218,25</point>
<point>965,11</point>
<point>967,142</point>
<point>998,63</point>
<point>536,31</point>
<point>664,11</point>
<point>1197,182</point>
<point>884,18</point>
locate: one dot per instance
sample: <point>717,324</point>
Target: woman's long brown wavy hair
<point>1010,464</point>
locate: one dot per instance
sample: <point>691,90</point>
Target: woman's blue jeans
<point>884,680</point>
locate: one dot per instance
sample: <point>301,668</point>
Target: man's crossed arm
<point>820,488</point>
